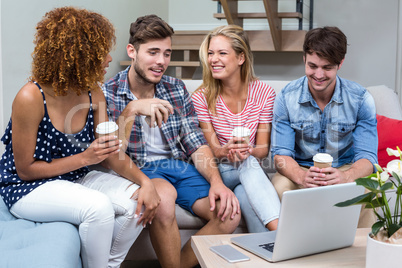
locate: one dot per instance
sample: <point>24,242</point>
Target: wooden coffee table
<point>354,256</point>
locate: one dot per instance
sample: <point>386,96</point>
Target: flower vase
<point>381,254</point>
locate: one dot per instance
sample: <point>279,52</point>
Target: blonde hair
<point>240,44</point>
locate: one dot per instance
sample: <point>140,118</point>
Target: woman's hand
<point>237,149</point>
<point>150,199</point>
<point>102,148</point>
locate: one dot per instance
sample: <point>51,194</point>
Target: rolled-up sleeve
<point>283,135</point>
<point>365,138</point>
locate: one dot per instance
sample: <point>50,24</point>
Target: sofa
<point>29,244</point>
<point>37,245</point>
<point>387,105</point>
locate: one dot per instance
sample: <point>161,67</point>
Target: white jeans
<point>99,204</point>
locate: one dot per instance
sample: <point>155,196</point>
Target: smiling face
<point>151,60</point>
<point>222,59</point>
<point>321,74</point>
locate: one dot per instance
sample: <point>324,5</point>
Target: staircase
<point>186,43</point>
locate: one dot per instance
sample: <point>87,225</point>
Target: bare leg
<point>272,225</point>
<point>164,232</point>
<point>214,226</point>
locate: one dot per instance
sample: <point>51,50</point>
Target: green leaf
<point>377,202</point>
<point>377,227</point>
<point>378,167</point>
<point>399,190</point>
<point>386,186</point>
<point>392,228</point>
<point>369,184</point>
<point>373,175</point>
<point>397,177</point>
<point>361,199</point>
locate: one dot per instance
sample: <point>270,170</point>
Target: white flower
<point>393,152</point>
<point>384,176</point>
<point>395,166</point>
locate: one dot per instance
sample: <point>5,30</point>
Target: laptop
<point>309,223</point>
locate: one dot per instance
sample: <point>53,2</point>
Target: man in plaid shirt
<point>161,126</point>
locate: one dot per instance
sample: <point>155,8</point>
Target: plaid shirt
<point>181,131</point>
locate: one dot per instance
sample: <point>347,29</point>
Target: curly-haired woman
<point>230,97</point>
<point>50,142</point>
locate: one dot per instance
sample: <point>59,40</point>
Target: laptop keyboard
<point>269,246</point>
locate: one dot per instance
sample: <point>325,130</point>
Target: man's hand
<point>229,202</point>
<point>333,176</point>
<point>156,110</point>
<point>324,176</point>
<point>149,198</point>
<point>313,177</point>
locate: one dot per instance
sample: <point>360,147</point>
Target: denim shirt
<point>346,129</point>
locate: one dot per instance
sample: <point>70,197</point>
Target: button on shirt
<point>181,131</point>
<point>346,129</point>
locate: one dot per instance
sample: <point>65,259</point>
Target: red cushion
<point>389,136</point>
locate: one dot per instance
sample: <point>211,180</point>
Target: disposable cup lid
<point>323,158</point>
<point>240,132</point>
<point>106,127</point>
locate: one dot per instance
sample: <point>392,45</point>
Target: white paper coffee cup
<point>107,128</point>
<point>322,160</point>
<point>242,132</point>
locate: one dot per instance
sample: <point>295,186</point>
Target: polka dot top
<point>50,144</point>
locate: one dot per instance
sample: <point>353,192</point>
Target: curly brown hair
<point>71,45</point>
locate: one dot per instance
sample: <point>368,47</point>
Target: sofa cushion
<point>386,101</point>
<point>389,136</point>
<point>25,243</point>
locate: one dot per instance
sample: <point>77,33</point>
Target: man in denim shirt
<point>323,113</point>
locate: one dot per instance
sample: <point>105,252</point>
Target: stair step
<point>254,15</point>
<point>260,40</point>
<point>172,63</point>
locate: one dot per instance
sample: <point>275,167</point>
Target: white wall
<point>1,93</point>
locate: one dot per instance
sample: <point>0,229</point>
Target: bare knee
<point>229,224</point>
<point>166,210</point>
<point>226,226</point>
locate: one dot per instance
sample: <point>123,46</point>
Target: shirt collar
<point>306,96</point>
<point>124,87</point>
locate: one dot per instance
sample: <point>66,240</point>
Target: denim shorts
<point>188,182</point>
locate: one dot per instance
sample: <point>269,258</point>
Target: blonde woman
<point>231,96</point>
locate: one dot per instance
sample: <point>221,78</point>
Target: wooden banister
<point>275,23</point>
<point>261,15</point>
<point>230,7</point>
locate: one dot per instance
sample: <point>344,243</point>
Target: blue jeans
<point>258,199</point>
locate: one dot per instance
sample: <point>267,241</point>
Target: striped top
<point>257,110</point>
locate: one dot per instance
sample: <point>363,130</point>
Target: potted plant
<point>385,239</point>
